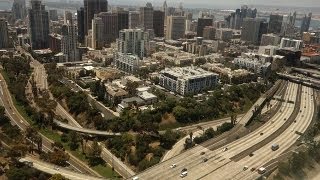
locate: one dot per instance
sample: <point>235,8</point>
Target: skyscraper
<point>305,24</point>
<point>38,25</point>
<point>133,19</point>
<point>19,9</point>
<point>92,7</point>
<point>80,20</point>
<point>69,42</point>
<point>202,23</point>
<point>252,30</point>
<point>67,17</point>
<point>110,26</point>
<point>53,15</point>
<point>165,10</point>
<point>97,33</point>
<point>131,41</point>
<point>123,19</point>
<point>158,23</point>
<point>175,27</point>
<point>4,36</point>
<point>146,16</point>
<point>275,23</point>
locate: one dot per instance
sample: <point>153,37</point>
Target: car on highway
<point>56,168</point>
<point>262,170</point>
<point>245,168</point>
<point>135,178</point>
<point>251,154</point>
<point>252,169</point>
<point>224,149</point>
<point>202,153</point>
<point>275,147</point>
<point>205,159</point>
<point>173,166</point>
<point>184,174</point>
<point>184,169</point>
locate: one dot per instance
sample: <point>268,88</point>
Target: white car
<point>184,174</point>
<point>173,166</point>
<point>135,178</point>
<point>224,149</point>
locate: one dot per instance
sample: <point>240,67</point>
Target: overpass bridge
<point>309,82</point>
<point>84,130</point>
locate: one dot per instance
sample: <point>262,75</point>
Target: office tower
<point>202,23</point>
<point>92,7</point>
<point>305,24</point>
<point>189,16</point>
<point>38,25</point>
<point>123,19</point>
<point>146,16</point>
<point>158,23</point>
<point>275,23</point>
<point>252,30</point>
<point>209,33</point>
<point>175,27</point>
<point>69,42</point>
<point>224,34</point>
<point>67,17</point>
<point>134,19</point>
<point>131,41</point>
<point>165,10</point>
<point>110,26</point>
<point>4,36</point>
<point>19,9</point>
<point>53,15</point>
<point>237,19</point>
<point>80,20</point>
<point>97,33</point>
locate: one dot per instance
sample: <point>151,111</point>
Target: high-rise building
<point>235,19</point>
<point>252,30</point>
<point>291,43</point>
<point>110,29</point>
<point>270,39</point>
<point>38,25</point>
<point>158,23</point>
<point>305,24</point>
<point>69,42</point>
<point>4,36</point>
<point>123,19</point>
<point>202,23</point>
<point>97,33</point>
<point>175,27</point>
<point>275,23</point>
<point>209,32</point>
<point>67,17</point>
<point>53,15</point>
<point>80,20</point>
<point>131,41</point>
<point>92,7</point>
<point>146,16</point>
<point>165,10</point>
<point>288,24</point>
<point>134,19</point>
<point>224,34</point>
<point>19,9</point>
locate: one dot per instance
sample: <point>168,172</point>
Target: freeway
<point>84,130</point>
<point>15,117</point>
<point>219,158</point>
<point>53,169</point>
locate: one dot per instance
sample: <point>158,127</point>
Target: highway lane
<point>53,169</point>
<point>285,140</point>
<point>189,159</point>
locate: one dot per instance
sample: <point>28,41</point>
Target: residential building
<point>270,39</point>
<point>202,23</point>
<point>69,46</point>
<point>253,64</point>
<point>224,34</point>
<point>187,80</point>
<point>115,94</point>
<point>275,23</point>
<point>127,62</point>
<point>291,43</point>
<point>92,7</point>
<point>38,25</point>
<point>146,16</point>
<point>134,19</point>
<point>268,50</point>
<point>292,55</point>
<point>175,27</point>
<point>55,42</point>
<point>252,30</point>
<point>131,41</point>
<point>158,23</point>
<point>19,9</point>
<point>4,35</point>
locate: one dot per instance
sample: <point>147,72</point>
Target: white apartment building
<point>254,65</point>
<point>131,41</point>
<point>291,43</point>
<point>187,80</point>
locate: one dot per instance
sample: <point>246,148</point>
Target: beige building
<point>175,27</point>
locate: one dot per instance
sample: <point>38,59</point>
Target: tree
<point>168,139</point>
<point>73,140</point>
<point>94,154</point>
<point>57,177</point>
<point>180,113</point>
<point>132,88</point>
<point>233,119</point>
<point>58,157</point>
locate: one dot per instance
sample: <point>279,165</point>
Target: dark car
<point>202,153</point>
<point>205,160</point>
